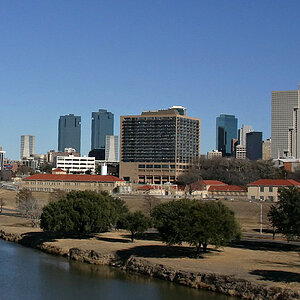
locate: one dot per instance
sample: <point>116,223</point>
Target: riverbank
<point>252,270</point>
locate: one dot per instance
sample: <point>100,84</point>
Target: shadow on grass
<point>277,276</point>
<point>34,239</point>
<point>113,240</point>
<point>162,251</point>
<point>264,245</point>
<point>151,236</point>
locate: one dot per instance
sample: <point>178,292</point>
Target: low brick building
<point>70,182</point>
<point>267,189</point>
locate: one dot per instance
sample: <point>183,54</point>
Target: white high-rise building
<point>285,125</point>
<point>243,133</point>
<point>111,148</point>
<point>240,152</point>
<point>1,158</point>
<point>27,146</point>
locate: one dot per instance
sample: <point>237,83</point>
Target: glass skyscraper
<point>226,126</point>
<point>69,132</point>
<point>102,125</point>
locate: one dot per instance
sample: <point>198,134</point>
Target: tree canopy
<point>79,212</point>
<point>135,222</point>
<point>230,171</point>
<point>198,223</point>
<point>285,214</point>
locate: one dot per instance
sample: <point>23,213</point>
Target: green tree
<point>79,212</point>
<point>211,223</point>
<point>285,214</point>
<point>135,222</point>
<point>172,221</point>
<point>196,223</point>
<point>118,210</point>
<point>46,168</point>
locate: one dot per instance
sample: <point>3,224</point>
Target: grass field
<point>247,213</point>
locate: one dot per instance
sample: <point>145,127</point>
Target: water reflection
<point>30,274</point>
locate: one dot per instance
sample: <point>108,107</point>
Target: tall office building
<point>102,125</point>
<point>69,132</point>
<point>226,126</point>
<point>27,146</point>
<point>243,132</point>
<point>285,124</point>
<point>254,145</point>
<point>111,148</point>
<point>157,146</point>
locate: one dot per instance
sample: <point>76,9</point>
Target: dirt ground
<point>263,262</point>
<point>247,213</point>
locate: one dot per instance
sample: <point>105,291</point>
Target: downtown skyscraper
<point>226,132</point>
<point>102,125</point>
<point>285,124</point>
<point>27,146</point>
<point>69,132</point>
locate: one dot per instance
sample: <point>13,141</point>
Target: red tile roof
<point>275,182</point>
<point>201,184</point>
<point>227,188</point>
<point>213,182</point>
<point>71,177</point>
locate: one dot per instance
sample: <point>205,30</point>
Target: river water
<point>27,273</point>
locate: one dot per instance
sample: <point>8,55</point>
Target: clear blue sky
<point>76,56</point>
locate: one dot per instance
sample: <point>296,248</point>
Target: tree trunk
<point>204,247</point>
<point>198,246</point>
<point>132,236</point>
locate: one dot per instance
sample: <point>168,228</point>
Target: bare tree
<point>56,195</point>
<point>150,202</point>
<point>2,203</point>
<point>28,206</point>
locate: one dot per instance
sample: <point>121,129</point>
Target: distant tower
<point>27,146</point>
<point>69,132</point>
<point>243,132</point>
<point>102,125</point>
<point>226,126</point>
<point>254,145</point>
<point>285,132</point>
<point>111,148</point>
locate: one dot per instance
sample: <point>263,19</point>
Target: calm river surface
<point>27,273</point>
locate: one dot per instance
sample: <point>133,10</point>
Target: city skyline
<point>207,57</point>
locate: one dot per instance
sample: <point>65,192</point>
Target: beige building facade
<point>68,182</point>
<point>267,189</point>
<point>157,146</point>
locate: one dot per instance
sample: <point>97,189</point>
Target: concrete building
<point>267,149</point>
<point>69,182</point>
<point>254,145</point>
<point>240,152</point>
<point>50,156</point>
<point>243,134</point>
<point>157,146</point>
<point>102,125</point>
<point>75,165</point>
<point>27,146</point>
<point>285,123</point>
<point>226,127</point>
<point>267,189</point>
<point>69,132</point>
<point>111,148</point>
<point>214,154</point>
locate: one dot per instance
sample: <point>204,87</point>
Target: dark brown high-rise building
<point>157,146</point>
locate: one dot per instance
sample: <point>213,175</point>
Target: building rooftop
<point>227,188</point>
<point>275,182</point>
